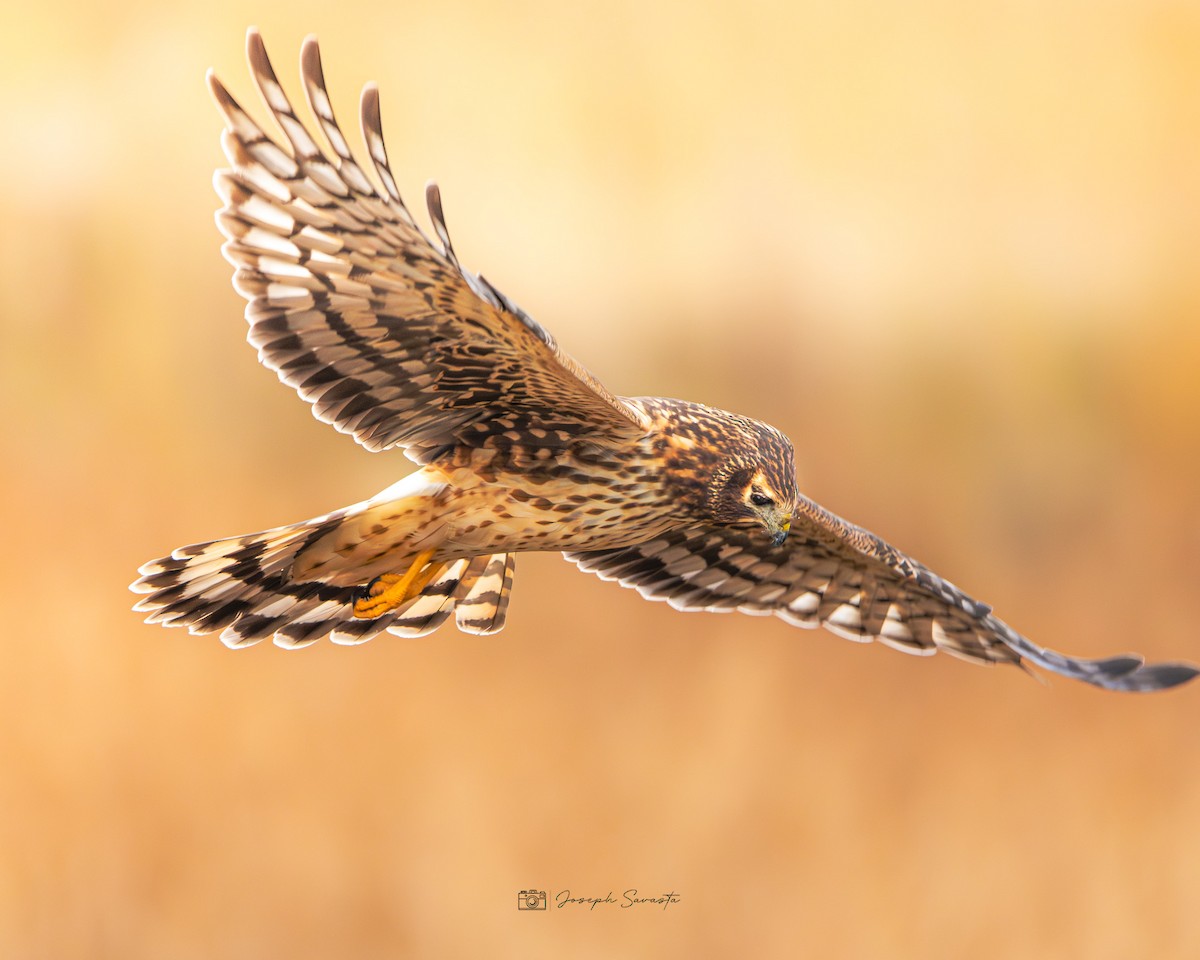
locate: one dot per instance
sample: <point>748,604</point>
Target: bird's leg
<point>387,592</point>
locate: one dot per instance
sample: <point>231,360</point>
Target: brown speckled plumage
<point>392,341</point>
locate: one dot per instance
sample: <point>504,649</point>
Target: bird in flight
<point>393,341</point>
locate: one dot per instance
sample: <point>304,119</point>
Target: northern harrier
<point>393,342</point>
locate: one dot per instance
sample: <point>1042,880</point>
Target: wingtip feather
<point>433,200</point>
<point>256,50</point>
<point>310,60</point>
<point>1125,672</point>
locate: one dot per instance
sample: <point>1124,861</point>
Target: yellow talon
<point>389,591</point>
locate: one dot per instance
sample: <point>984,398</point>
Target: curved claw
<point>392,590</point>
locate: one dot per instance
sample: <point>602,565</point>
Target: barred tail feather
<point>436,602</point>
<point>241,587</point>
<point>484,604</point>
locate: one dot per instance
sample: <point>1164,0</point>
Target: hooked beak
<point>780,536</point>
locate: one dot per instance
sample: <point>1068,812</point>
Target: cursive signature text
<point>630,898</point>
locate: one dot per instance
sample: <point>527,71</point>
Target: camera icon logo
<point>531,900</point>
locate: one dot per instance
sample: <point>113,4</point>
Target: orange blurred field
<point>951,249</point>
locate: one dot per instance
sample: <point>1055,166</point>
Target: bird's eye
<point>760,500</point>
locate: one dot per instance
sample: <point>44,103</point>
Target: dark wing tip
<point>256,50</point>
<point>225,101</point>
<point>433,200</point>
<point>1124,672</point>
<point>1155,676</point>
<point>369,106</point>
<point>215,85</point>
<point>310,60</point>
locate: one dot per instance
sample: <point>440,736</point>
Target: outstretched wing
<point>834,574</point>
<point>386,335</point>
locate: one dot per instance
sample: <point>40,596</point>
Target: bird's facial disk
<point>769,508</point>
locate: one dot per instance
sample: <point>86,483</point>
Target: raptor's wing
<point>384,333</point>
<point>831,573</point>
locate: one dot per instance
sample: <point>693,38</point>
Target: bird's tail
<point>243,588</point>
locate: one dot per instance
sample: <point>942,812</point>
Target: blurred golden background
<point>951,249</point>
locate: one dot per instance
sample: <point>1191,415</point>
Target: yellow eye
<point>761,500</point>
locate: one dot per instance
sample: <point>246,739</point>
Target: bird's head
<point>758,484</point>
